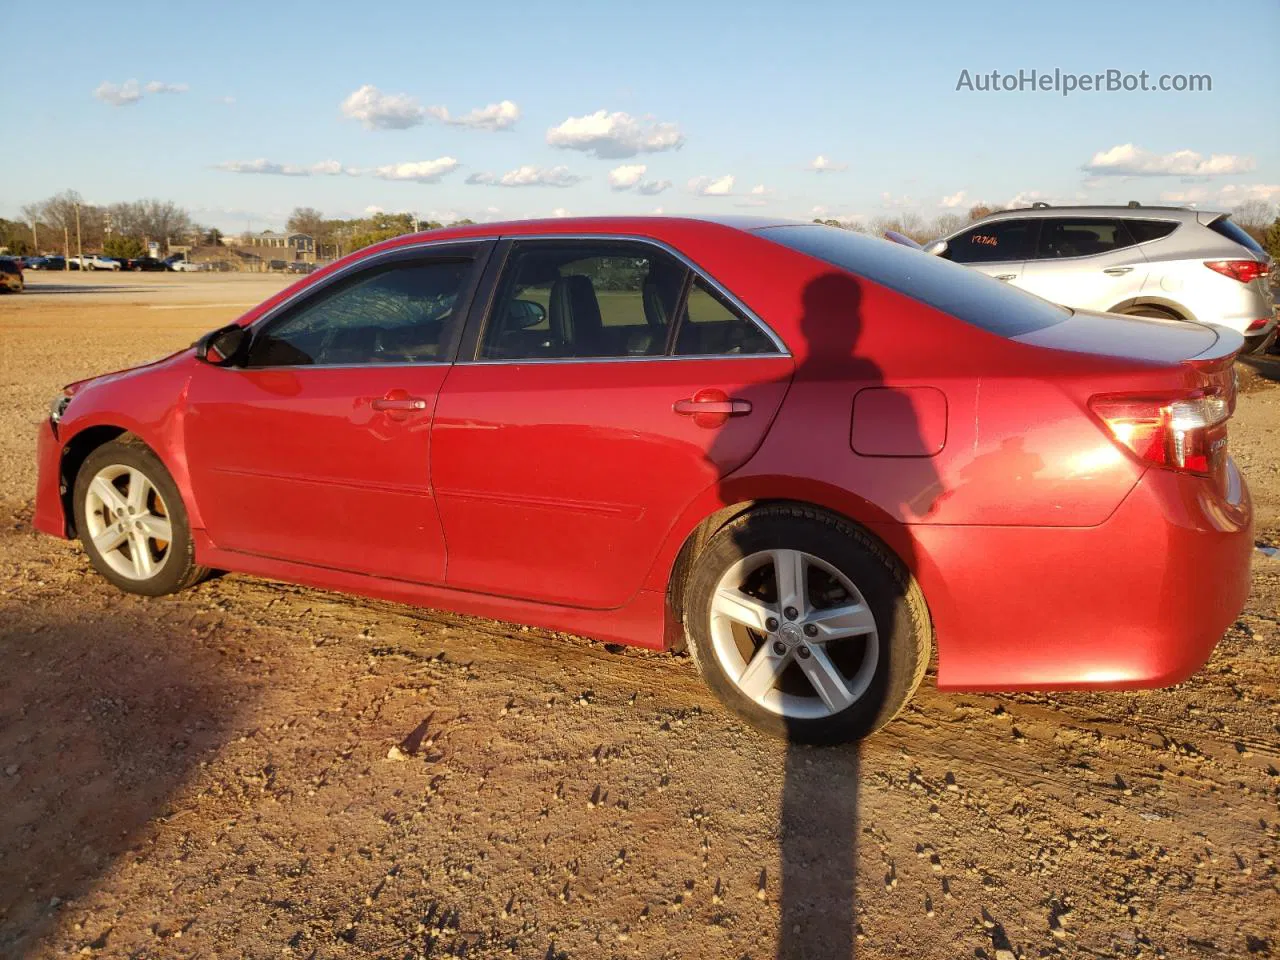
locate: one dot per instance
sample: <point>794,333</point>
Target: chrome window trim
<point>374,259</point>
<point>698,271</point>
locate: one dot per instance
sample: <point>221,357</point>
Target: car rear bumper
<point>50,516</point>
<point>1138,601</point>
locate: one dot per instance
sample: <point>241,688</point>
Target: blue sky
<point>496,110</point>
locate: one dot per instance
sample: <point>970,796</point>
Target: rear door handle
<point>724,408</point>
<point>1117,271</point>
<point>1006,276</point>
<point>399,403</point>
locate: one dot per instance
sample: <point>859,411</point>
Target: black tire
<point>905,632</point>
<point>178,570</point>
<point>1155,313</point>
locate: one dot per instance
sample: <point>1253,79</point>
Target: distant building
<point>286,246</point>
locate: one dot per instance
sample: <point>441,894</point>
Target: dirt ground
<point>253,769</point>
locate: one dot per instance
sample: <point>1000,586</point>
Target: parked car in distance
<point>186,266</point>
<point>278,265</point>
<point>1140,261</point>
<point>719,434</point>
<point>59,263</point>
<point>150,264</point>
<point>300,266</point>
<point>34,263</point>
<point>11,279</point>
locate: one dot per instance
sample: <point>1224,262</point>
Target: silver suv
<point>1142,261</point>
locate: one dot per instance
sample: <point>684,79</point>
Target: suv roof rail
<point>1036,205</point>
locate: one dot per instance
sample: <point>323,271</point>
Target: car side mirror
<point>937,248</point>
<point>524,314</point>
<point>223,347</point>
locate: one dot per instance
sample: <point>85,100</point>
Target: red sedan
<point>800,452</point>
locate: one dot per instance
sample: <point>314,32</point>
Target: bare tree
<point>980,210</point>
<point>946,224</point>
<point>1254,216</point>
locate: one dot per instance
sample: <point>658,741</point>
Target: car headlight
<point>59,407</point>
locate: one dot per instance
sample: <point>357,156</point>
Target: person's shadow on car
<point>818,817</point>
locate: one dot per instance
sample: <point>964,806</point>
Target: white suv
<point>1141,261</point>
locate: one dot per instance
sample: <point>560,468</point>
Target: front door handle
<point>1117,271</point>
<point>399,403</point>
<point>1006,276</point>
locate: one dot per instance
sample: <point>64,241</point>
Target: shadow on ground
<point>93,744</point>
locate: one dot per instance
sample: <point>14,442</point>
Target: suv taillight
<point>1186,433</point>
<point>1246,271</point>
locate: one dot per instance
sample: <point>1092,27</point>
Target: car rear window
<point>1224,226</point>
<point>963,292</point>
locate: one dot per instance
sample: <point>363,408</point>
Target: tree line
<point>336,237</point>
<point>65,224</point>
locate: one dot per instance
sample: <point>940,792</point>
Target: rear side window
<point>993,242</point>
<point>710,326</point>
<point>967,295</point>
<point>1145,230</point>
<point>1061,238</point>
<point>1224,226</point>
<point>558,300</point>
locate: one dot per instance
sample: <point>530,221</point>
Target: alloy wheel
<point>794,634</point>
<point>128,521</point>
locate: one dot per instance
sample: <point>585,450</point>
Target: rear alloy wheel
<point>1154,313</point>
<point>132,522</point>
<point>806,626</point>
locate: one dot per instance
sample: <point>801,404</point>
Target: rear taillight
<point>1257,324</point>
<point>1187,433</point>
<point>1246,271</point>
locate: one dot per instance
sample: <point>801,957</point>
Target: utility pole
<point>79,248</point>
<point>35,238</point>
<point>66,245</point>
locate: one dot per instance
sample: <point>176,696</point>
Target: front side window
<point>992,242</point>
<point>563,299</point>
<point>711,326</point>
<point>1061,238</point>
<point>396,313</point>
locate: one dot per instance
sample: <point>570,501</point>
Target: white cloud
<point>528,176</point>
<point>382,111</point>
<point>373,210</point>
<point>420,171</point>
<point>1229,195</point>
<point>119,94</point>
<point>323,168</point>
<point>496,116</point>
<point>626,176</point>
<point>954,200</point>
<point>631,176</point>
<point>262,165</point>
<point>615,136</point>
<point>399,111</point>
<point>1026,198</point>
<point>824,164</point>
<point>559,212</point>
<point>756,197</point>
<point>159,86</point>
<point>1128,160</point>
<point>227,100</point>
<point>889,200</point>
<point>760,190</point>
<point>712,186</point>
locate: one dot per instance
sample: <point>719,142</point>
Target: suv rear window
<point>966,294</point>
<point>1224,226</point>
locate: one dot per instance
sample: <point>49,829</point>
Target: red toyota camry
<point>802,453</point>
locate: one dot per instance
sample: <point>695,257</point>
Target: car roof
<point>655,227</point>
<point>1184,214</point>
